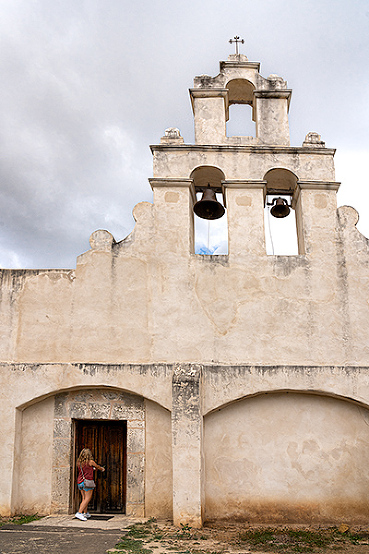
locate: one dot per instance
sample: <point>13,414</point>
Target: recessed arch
<point>51,419</point>
<point>281,456</point>
<point>312,392</point>
<point>83,387</point>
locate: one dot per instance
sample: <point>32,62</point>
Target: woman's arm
<point>96,466</point>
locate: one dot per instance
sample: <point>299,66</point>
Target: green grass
<point>134,539</point>
<point>128,544</point>
<point>311,538</point>
<point>139,538</point>
<point>263,536</point>
<point>20,519</point>
<point>185,533</point>
<point>289,539</point>
<point>139,532</point>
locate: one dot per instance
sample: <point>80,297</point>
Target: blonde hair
<point>84,456</point>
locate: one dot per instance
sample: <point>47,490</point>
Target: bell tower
<point>247,171</point>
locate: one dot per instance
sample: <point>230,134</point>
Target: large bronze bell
<point>280,208</point>
<point>209,207</point>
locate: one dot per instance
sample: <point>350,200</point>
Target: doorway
<point>108,442</point>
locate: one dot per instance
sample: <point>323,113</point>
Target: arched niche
<point>287,457</point>
<point>44,473</point>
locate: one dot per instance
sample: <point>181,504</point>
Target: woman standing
<point>86,466</point>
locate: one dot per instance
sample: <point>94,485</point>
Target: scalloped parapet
<point>101,240</point>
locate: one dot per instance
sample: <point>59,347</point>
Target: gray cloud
<point>88,85</point>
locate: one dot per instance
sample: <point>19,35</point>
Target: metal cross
<point>237,40</point>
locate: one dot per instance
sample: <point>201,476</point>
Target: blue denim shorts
<point>81,487</point>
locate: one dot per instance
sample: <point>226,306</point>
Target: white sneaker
<point>87,515</point>
<point>82,517</point>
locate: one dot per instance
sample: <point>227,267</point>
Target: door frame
<point>75,495</point>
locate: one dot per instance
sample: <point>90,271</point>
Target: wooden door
<point>107,441</point>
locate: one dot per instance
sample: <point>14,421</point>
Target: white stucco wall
<point>35,459</point>
<point>192,334</point>
<point>159,471</point>
<point>287,457</point>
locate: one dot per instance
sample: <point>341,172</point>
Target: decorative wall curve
<point>39,381</point>
<point>226,385</point>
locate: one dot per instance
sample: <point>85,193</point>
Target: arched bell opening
<point>281,233</point>
<point>210,219</point>
<point>241,114</point>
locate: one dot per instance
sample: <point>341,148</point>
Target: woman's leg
<point>85,501</point>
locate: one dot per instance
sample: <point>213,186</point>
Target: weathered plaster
<point>158,457</point>
<point>224,303</point>
<point>205,342</point>
<point>287,458</point>
<point>187,449</point>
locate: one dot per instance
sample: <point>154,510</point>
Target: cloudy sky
<point>87,85</point>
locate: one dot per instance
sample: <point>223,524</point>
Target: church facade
<point>212,387</point>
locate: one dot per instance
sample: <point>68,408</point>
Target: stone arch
<point>148,380</point>
<point>249,381</point>
<point>54,392</point>
<point>53,467</point>
<point>287,456</point>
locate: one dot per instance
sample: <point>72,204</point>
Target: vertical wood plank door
<point>107,441</point>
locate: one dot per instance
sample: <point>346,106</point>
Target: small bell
<point>280,208</point>
<point>209,207</point>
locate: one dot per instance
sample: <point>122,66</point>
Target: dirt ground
<point>161,538</point>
